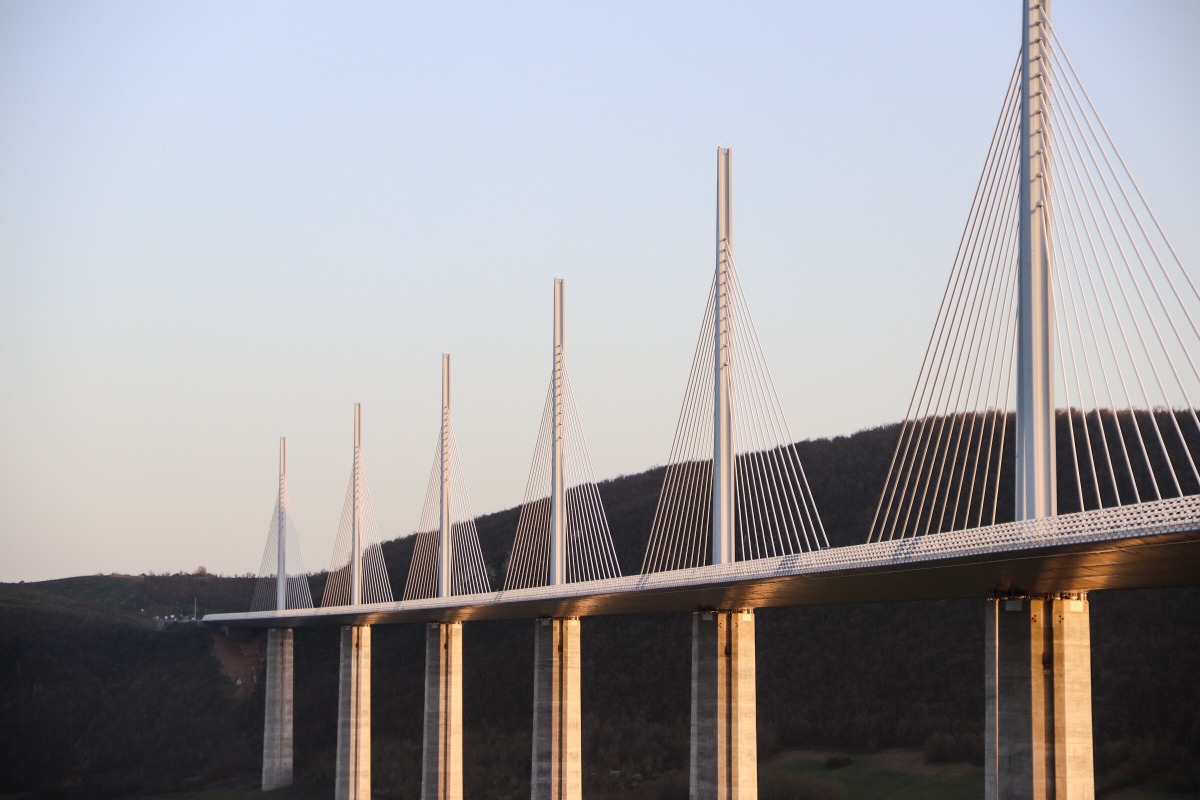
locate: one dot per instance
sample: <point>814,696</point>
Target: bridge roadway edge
<point>1151,545</point>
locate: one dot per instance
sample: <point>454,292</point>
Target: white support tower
<point>557,764</point>
<point>278,727</point>
<point>723,551</point>
<point>557,752</point>
<point>724,736</point>
<point>1037,665</point>
<point>281,532</point>
<point>442,746</point>
<point>356,523</point>
<point>441,761</point>
<point>562,534</point>
<point>278,754</point>
<point>353,766</point>
<point>358,574</point>
<point>724,712</point>
<point>446,527</point>
<point>277,733</point>
<point>734,488</point>
<point>1036,494</point>
<point>558,489</point>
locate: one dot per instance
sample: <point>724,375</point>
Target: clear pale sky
<point>225,222</point>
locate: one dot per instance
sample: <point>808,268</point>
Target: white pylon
<point>558,492</point>
<point>723,455</point>
<point>281,532</point>
<point>1036,487</point>
<point>356,520</point>
<point>446,530</point>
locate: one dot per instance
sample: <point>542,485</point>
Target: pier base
<point>277,729</point>
<point>724,747</point>
<point>1038,693</point>
<point>557,750</point>
<point>441,761</point>
<point>353,774</point>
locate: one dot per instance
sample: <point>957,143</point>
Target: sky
<point>226,222</point>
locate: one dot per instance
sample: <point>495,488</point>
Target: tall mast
<point>558,507</point>
<point>357,515</point>
<point>281,532</point>
<point>1036,494</point>
<point>445,540</point>
<point>723,457</point>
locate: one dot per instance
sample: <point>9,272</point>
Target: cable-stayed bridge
<point>1050,449</point>
<point>1152,545</point>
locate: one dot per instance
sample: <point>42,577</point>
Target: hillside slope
<point>97,703</point>
<point>95,700</point>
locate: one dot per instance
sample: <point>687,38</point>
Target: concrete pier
<point>277,734</point>
<point>353,774</point>
<point>724,748</point>
<point>557,750</point>
<point>1038,692</point>
<point>441,761</point>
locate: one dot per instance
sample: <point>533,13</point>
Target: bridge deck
<point>1147,545</point>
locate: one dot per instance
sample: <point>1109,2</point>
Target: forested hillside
<point>98,702</point>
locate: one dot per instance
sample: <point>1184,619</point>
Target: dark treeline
<point>96,702</point>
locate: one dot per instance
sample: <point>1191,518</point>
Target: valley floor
<point>805,774</point>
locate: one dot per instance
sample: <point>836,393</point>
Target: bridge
<point>1049,450</point>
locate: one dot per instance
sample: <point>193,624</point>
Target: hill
<point>97,702</point>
